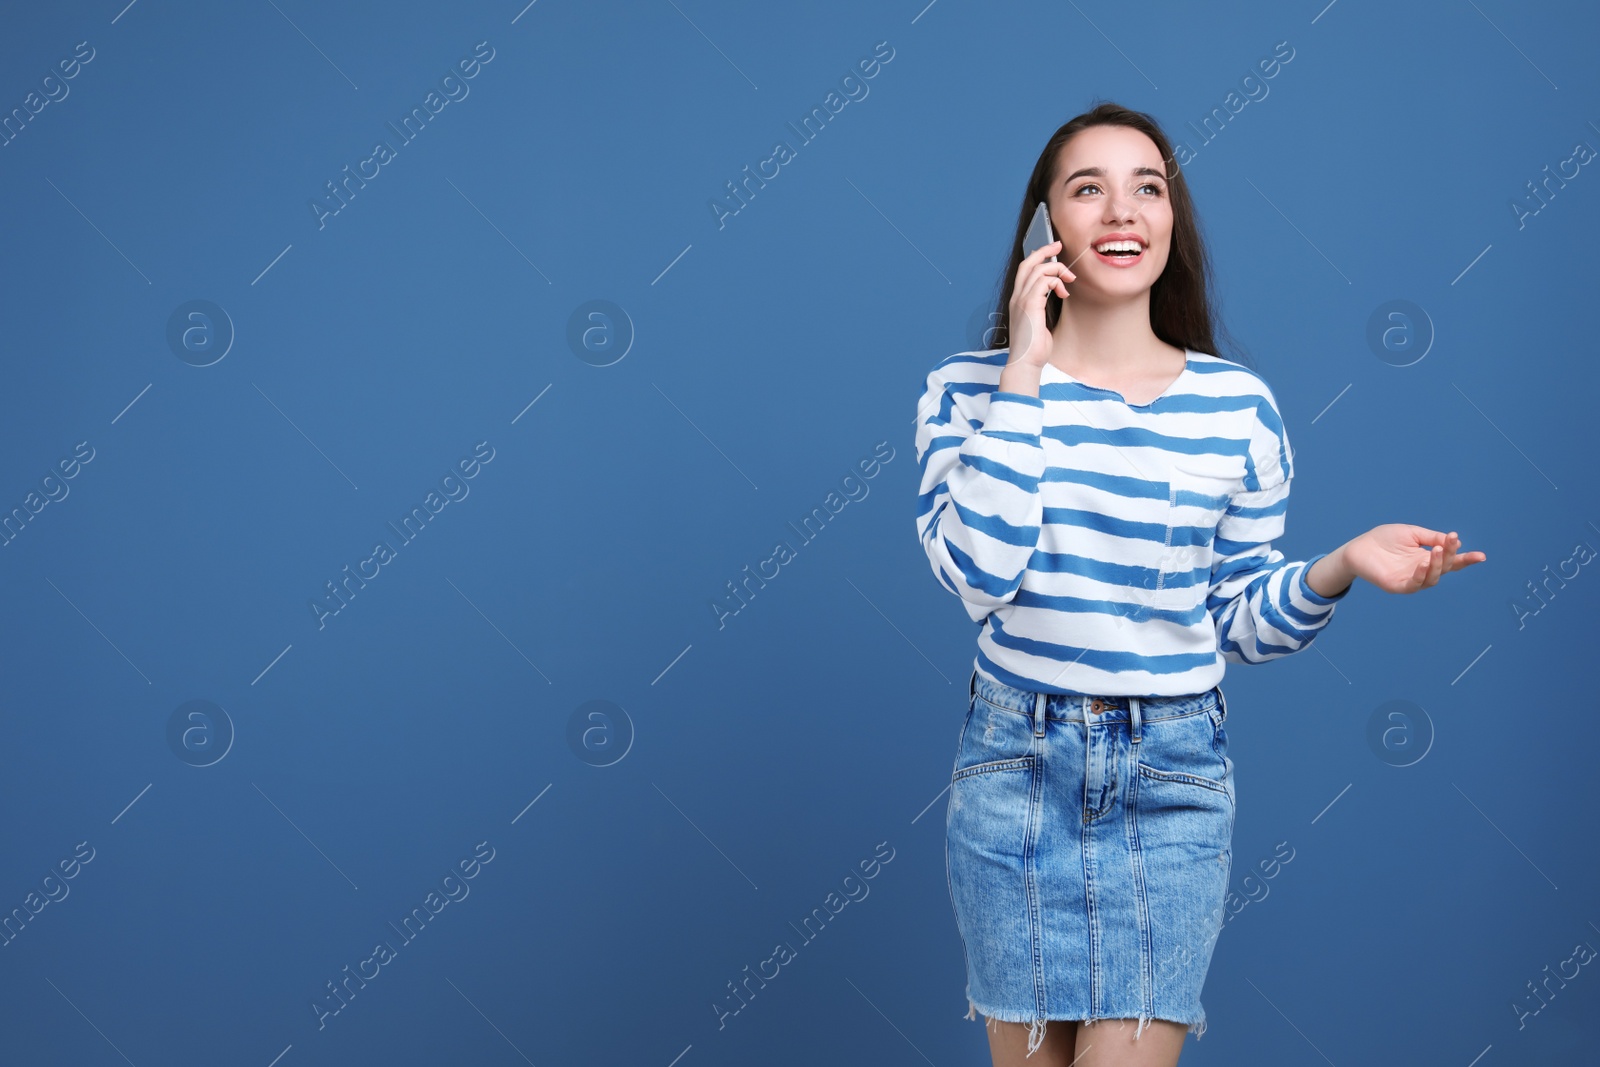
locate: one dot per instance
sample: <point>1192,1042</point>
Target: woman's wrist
<point>1330,576</point>
<point>1020,377</point>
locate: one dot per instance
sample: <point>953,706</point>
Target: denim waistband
<point>1090,710</point>
<point>1080,708</point>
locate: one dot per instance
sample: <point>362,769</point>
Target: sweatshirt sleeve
<point>979,510</point>
<point>1261,603</point>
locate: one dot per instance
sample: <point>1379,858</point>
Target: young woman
<point>1102,495</point>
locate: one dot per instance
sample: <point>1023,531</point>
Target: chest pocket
<point>1177,573</point>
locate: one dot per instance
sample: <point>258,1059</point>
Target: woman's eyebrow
<point>1099,172</point>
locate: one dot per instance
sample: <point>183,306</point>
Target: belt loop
<point>1039,701</point>
<point>972,685</point>
<point>1133,717</point>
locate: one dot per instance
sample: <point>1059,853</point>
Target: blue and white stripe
<point>1107,548</point>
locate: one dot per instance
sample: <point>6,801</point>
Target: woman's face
<point>1111,180</point>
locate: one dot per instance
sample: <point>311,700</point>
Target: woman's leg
<point>1008,1043</point>
<point>1110,1043</point>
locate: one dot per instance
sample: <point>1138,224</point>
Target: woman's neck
<point>1109,342</point>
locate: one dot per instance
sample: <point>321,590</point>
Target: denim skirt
<point>1088,843</point>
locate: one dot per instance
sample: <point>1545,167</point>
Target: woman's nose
<point>1120,212</point>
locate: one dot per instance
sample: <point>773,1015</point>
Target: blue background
<point>642,858</point>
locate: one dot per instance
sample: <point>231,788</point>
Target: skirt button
<point>1098,705</point>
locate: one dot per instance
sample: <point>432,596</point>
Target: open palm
<point>1400,558</point>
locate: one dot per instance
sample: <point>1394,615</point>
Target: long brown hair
<point>1181,311</point>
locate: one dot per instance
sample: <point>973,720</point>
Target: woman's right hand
<point>1031,341</point>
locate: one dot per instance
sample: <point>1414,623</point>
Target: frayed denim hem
<point>1036,1027</point>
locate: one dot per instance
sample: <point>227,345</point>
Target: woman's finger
<point>1038,255</point>
<point>1044,279</point>
<point>1051,270</point>
<point>1425,537</point>
<point>1447,563</point>
<point>1029,275</point>
<point>1455,559</point>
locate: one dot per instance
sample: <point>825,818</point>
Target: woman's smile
<point>1120,249</point>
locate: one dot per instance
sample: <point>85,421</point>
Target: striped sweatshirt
<point>1108,548</point>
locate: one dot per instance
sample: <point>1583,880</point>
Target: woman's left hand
<point>1387,556</point>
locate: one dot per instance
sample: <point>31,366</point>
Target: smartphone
<point>1039,233</point>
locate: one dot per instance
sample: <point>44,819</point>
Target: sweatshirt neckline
<point>1188,368</point>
